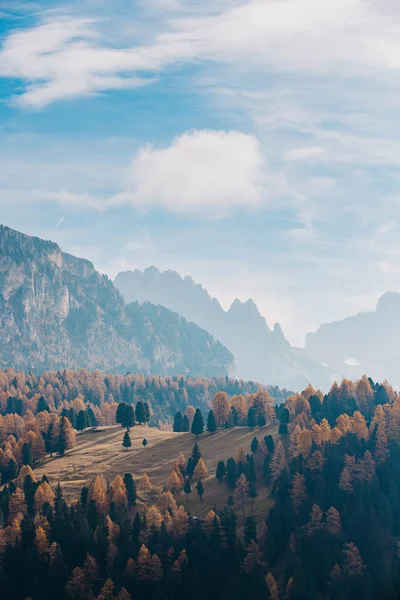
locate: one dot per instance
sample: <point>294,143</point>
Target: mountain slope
<point>364,343</point>
<point>261,354</point>
<point>57,311</point>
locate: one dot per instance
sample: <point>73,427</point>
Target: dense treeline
<point>164,395</point>
<point>333,530</point>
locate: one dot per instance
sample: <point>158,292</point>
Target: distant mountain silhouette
<point>364,343</point>
<point>261,354</point>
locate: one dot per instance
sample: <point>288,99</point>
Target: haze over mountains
<point>364,343</point>
<point>261,354</point>
<point>57,311</point>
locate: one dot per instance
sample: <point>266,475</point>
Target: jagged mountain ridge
<point>261,354</point>
<point>363,343</point>
<point>57,311</point>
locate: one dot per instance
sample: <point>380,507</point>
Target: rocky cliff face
<point>261,354</point>
<point>57,311</point>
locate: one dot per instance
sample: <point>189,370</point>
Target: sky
<point>251,144</point>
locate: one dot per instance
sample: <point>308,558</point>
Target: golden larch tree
<point>201,471</point>
<point>272,586</point>
<point>221,408</point>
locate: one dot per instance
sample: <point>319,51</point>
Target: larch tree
<point>201,471</point>
<point>174,482</point>
<point>278,462</point>
<point>242,491</point>
<point>299,494</point>
<point>189,413</point>
<point>316,520</point>
<point>353,564</point>
<point>333,522</point>
<point>221,408</point>
<point>43,494</point>
<point>272,587</point>
<point>145,485</point>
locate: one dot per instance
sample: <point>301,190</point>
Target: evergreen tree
<point>231,472</point>
<point>92,417</point>
<point>190,467</point>
<point>211,422</point>
<point>178,422</point>
<point>221,471</point>
<point>121,410</point>
<point>144,443</point>
<point>130,487</point>
<point>146,412</point>
<point>269,442</point>
<point>252,417</point>
<point>82,421</point>
<point>187,489</point>
<point>42,405</point>
<point>200,490</point>
<point>185,424</point>
<point>196,454</point>
<point>250,529</point>
<point>140,413</point>
<point>126,442</point>
<point>128,417</point>
<point>198,423</point>
<point>27,457</point>
<point>254,445</point>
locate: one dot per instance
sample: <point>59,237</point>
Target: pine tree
<point>221,470</point>
<point>196,454</point>
<point>119,417</point>
<point>252,417</point>
<point>178,422</point>
<point>27,457</point>
<point>82,421</point>
<point>187,489</point>
<point>242,490</point>
<point>128,418</point>
<point>185,424</point>
<point>231,472</point>
<point>211,422</point>
<point>130,487</point>
<point>140,413</point>
<point>200,490</point>
<point>144,443</point>
<point>254,445</point>
<point>198,423</point>
<point>250,529</point>
<point>126,442</point>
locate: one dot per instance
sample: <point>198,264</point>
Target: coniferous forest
<point>332,529</point>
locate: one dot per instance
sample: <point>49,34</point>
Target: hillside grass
<point>101,452</point>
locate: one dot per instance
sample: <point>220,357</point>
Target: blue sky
<point>253,144</point>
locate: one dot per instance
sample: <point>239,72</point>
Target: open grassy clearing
<point>101,452</point>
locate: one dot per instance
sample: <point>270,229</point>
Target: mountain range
<point>261,354</point>
<point>365,343</point>
<point>57,311</point>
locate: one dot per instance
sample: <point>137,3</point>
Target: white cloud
<point>67,57</point>
<point>200,171</point>
<point>300,154</point>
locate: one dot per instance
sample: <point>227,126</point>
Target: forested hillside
<point>332,531</point>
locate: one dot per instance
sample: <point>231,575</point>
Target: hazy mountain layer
<point>57,311</point>
<point>261,354</point>
<point>364,343</point>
